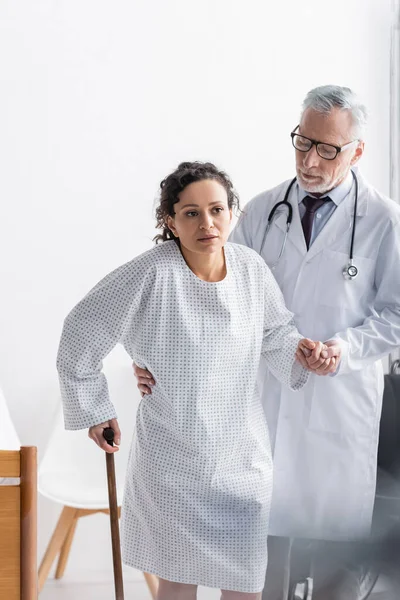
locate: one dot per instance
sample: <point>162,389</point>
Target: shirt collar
<point>337,195</point>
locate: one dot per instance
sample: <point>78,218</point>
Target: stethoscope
<point>350,271</point>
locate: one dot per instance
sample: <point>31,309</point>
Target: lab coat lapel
<point>296,235</point>
<point>338,225</point>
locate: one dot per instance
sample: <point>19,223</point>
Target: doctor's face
<point>318,175</point>
<point>202,217</point>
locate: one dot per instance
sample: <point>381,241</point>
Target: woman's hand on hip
<point>144,379</point>
<point>96,434</point>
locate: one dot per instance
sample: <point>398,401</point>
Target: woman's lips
<point>208,239</point>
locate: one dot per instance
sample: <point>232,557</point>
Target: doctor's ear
<point>358,153</point>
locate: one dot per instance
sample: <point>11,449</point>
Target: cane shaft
<point>116,548</point>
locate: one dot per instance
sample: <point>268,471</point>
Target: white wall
<point>99,101</point>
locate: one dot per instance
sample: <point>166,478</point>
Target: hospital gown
<point>198,486</point>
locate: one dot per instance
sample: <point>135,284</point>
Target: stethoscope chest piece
<point>350,272</point>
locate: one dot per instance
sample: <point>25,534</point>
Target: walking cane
<point>108,434</point>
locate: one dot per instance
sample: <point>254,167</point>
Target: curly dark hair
<point>176,182</point>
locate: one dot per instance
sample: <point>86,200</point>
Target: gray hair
<point>326,97</point>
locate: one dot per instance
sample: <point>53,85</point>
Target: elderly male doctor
<point>325,437</point>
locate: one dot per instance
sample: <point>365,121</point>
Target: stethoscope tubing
<point>285,202</point>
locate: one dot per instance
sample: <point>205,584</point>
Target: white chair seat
<point>78,490</point>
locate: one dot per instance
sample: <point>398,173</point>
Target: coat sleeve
<point>379,334</point>
<point>281,337</point>
<point>91,330</point>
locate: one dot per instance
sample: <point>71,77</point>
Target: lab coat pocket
<point>336,291</point>
<point>347,405</point>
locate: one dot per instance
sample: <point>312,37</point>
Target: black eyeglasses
<point>326,151</point>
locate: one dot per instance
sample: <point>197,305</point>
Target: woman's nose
<point>206,222</point>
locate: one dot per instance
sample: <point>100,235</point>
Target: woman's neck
<point>209,267</point>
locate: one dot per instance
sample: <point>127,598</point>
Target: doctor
<point>325,439</point>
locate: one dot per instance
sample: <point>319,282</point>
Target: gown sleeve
<point>281,337</point>
<point>91,330</point>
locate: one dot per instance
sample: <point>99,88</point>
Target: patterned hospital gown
<point>198,486</point>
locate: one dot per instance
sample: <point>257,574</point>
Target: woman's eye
<point>194,213</point>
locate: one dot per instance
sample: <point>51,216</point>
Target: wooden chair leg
<point>152,584</point>
<point>65,549</point>
<point>57,540</point>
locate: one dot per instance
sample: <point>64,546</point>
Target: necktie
<point>311,204</point>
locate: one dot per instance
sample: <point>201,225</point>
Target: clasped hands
<point>317,357</point>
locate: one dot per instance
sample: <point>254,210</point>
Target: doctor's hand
<point>333,350</point>
<point>322,359</point>
<point>144,379</point>
<point>308,354</point>
<point>96,434</point>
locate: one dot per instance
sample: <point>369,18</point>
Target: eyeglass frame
<point>316,143</point>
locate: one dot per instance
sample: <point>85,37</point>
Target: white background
<point>99,101</point>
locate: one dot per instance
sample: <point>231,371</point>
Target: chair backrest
<point>72,452</point>
<point>389,434</point>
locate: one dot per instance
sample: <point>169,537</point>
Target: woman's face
<point>202,217</point>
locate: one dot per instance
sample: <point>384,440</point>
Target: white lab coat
<point>325,437</point>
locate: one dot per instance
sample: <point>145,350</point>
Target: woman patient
<point>197,312</point>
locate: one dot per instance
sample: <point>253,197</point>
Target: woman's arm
<point>91,330</point>
<point>281,339</point>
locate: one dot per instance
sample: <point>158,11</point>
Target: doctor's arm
<point>379,334</point>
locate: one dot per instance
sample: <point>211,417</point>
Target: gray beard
<point>322,188</point>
